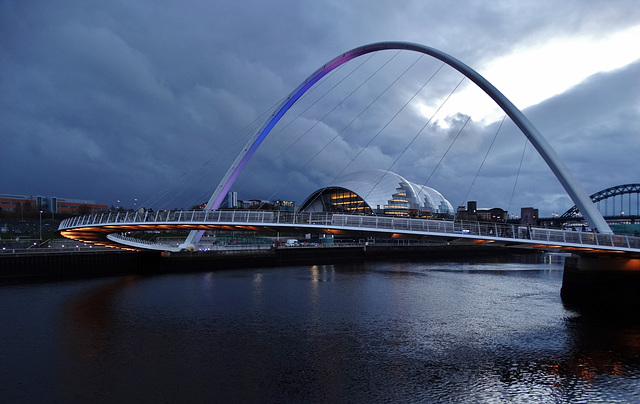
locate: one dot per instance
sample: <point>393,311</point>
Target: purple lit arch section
<point>226,183</point>
<point>574,189</point>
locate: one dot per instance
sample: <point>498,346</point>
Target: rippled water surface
<point>375,332</point>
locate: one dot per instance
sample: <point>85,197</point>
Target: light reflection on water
<point>383,332</point>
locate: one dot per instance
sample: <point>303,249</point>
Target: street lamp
<point>40,225</point>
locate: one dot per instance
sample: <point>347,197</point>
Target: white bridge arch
<point>571,186</point>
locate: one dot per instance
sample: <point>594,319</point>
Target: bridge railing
<point>482,229</point>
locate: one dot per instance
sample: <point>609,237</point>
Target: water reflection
<point>373,332</point>
<point>88,317</point>
<point>603,345</point>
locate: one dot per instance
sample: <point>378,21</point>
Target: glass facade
<point>399,204</point>
<point>377,192</point>
<point>340,200</point>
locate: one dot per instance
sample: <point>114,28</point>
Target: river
<point>384,332</point>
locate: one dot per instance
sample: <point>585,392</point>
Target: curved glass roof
<point>378,188</point>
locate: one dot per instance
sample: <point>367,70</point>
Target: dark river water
<point>375,332</point>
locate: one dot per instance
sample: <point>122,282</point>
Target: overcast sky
<point>118,100</point>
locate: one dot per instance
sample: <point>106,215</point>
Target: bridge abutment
<point>601,283</point>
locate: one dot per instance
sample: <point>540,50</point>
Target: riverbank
<point>59,266</point>
<point>56,266</point>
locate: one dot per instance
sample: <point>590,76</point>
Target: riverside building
<point>378,192</point>
<point>51,204</point>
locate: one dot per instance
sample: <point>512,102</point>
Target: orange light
<point>632,264</point>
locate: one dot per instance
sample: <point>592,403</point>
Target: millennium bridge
<point>603,265</point>
<point>110,229</point>
<point>603,268</point>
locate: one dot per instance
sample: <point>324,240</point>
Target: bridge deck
<point>108,229</point>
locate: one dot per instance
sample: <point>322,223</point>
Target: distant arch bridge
<point>609,193</point>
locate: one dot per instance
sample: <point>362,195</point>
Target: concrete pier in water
<point>602,282</point>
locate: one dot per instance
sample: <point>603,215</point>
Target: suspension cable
<point>160,197</point>
<point>321,97</point>
<point>360,114</point>
<point>354,119</point>
<point>169,194</point>
<point>513,191</point>
<point>482,164</point>
<point>320,120</point>
<point>419,132</point>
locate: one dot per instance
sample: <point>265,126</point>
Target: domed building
<point>377,192</point>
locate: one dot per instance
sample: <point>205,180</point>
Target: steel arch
<point>605,194</point>
<point>572,187</point>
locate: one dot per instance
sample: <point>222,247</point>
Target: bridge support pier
<point>602,283</point>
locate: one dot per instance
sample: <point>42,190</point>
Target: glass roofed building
<point>377,192</point>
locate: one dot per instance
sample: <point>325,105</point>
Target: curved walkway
<point>110,229</point>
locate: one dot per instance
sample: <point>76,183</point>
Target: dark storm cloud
<point>117,100</point>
